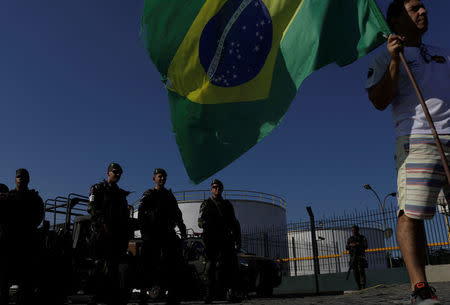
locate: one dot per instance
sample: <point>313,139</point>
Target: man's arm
<point>237,233</point>
<point>202,215</point>
<point>350,244</point>
<point>141,211</point>
<point>385,90</point>
<point>148,211</point>
<point>94,206</point>
<point>93,197</point>
<point>178,216</point>
<point>236,227</point>
<point>40,211</point>
<point>179,220</point>
<point>364,243</point>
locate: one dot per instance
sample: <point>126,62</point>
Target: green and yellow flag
<point>232,67</point>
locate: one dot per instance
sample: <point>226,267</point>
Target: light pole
<point>387,233</point>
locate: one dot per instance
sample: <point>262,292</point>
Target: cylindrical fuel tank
<point>253,209</point>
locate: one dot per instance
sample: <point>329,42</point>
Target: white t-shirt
<point>433,79</point>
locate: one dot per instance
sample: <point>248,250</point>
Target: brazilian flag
<point>232,67</point>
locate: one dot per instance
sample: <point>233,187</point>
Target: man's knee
<point>405,219</point>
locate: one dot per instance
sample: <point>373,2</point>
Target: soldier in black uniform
<point>222,238</point>
<point>4,285</point>
<point>158,215</point>
<point>24,211</point>
<point>357,245</point>
<point>110,219</point>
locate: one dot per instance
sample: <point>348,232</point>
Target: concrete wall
<point>438,273</point>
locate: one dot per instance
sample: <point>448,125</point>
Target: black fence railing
<point>61,211</point>
<point>293,245</point>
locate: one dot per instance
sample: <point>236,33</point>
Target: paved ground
<point>382,294</point>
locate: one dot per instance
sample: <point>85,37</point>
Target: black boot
<point>209,296</point>
<point>143,297</point>
<point>233,297</point>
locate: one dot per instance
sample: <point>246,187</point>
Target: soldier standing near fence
<point>222,238</point>
<point>110,219</point>
<point>158,216</point>
<point>357,245</point>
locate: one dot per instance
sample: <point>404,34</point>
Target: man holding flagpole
<point>419,163</point>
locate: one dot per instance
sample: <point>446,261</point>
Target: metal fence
<point>61,211</point>
<point>293,244</point>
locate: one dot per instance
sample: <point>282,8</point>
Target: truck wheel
<point>263,285</point>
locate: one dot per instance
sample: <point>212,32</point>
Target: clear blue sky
<point>77,91</point>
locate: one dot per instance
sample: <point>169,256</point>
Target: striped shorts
<point>421,175</point>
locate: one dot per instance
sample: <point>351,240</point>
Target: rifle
<point>352,259</point>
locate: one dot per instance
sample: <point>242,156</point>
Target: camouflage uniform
<point>24,211</point>
<point>222,236</point>
<point>162,249</point>
<point>110,220</point>
<point>357,258</point>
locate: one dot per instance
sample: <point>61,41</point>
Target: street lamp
<point>387,232</point>
<point>368,187</point>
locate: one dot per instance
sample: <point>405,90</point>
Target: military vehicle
<point>256,273</point>
<point>72,227</point>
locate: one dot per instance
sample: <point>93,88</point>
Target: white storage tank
<point>262,218</point>
<point>331,244</point>
<point>253,209</point>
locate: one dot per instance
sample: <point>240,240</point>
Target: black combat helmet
<point>218,182</point>
<point>160,171</point>
<point>23,173</point>
<point>115,166</point>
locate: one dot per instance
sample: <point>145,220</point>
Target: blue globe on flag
<point>235,43</point>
